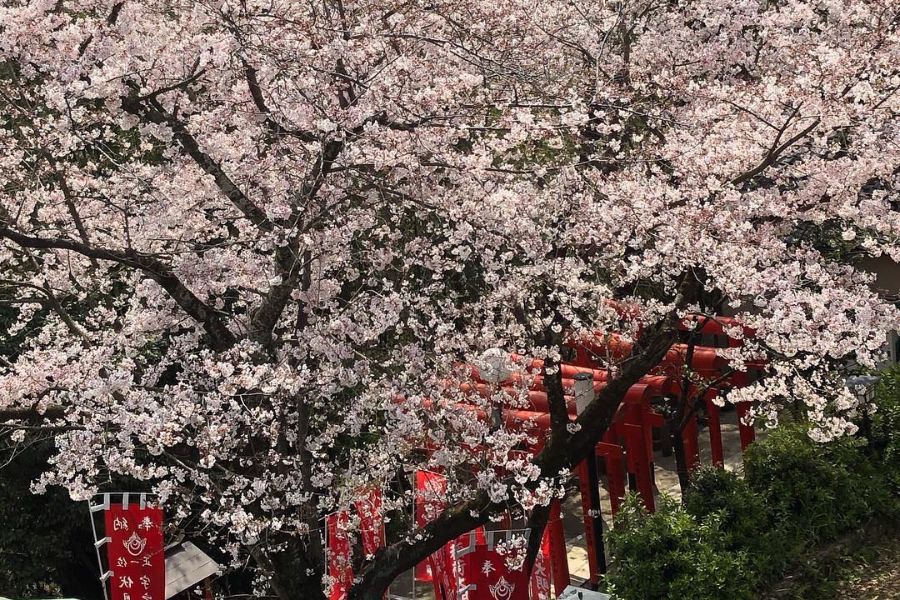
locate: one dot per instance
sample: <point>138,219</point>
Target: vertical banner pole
<point>97,542</point>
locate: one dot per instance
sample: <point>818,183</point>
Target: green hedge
<point>734,536</point>
<point>672,554</point>
<point>884,430</point>
<point>816,491</point>
<point>749,526</point>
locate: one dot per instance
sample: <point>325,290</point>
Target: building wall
<point>887,273</point>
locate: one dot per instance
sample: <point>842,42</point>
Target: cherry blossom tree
<point>234,233</point>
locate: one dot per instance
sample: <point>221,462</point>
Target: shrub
<point>715,490</point>
<point>672,555</point>
<point>747,524</point>
<point>815,491</point>
<point>884,432</point>
<point>46,544</point>
<point>735,534</point>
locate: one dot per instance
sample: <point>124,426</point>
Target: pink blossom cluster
<point>232,234</point>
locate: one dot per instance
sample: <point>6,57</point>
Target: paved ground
<point>666,482</point>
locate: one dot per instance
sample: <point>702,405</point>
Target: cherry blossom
<point>245,245</point>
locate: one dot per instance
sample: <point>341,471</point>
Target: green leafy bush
<point>715,490</point>
<point>884,432</point>
<point>46,544</point>
<point>747,524</point>
<point>815,491</point>
<point>672,555</point>
<point>735,535</point>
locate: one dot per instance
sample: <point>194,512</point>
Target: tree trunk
<point>681,468</point>
<point>565,449</point>
<point>294,575</point>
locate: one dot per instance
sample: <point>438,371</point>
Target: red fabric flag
<point>135,552</point>
<point>430,487</point>
<point>339,566</point>
<point>371,521</point>
<point>486,570</point>
<point>462,543</point>
<point>430,502</point>
<point>540,573</point>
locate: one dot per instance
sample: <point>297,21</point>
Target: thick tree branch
<point>52,302</point>
<point>290,263</point>
<point>150,110</point>
<point>559,412</point>
<point>537,523</point>
<point>70,204</point>
<point>392,560</point>
<point>561,452</point>
<point>221,337</point>
<point>259,101</point>
<point>110,20</point>
<point>775,151</point>
<point>31,415</point>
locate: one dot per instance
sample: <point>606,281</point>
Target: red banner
<point>462,543</point>
<point>340,569</point>
<point>371,521</point>
<point>540,573</point>
<point>431,489</point>
<point>486,570</point>
<point>135,552</point>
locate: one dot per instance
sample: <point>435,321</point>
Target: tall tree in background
<point>233,232</point>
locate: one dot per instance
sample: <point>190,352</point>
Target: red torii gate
<point>632,424</point>
<point>628,444</point>
<point>713,325</point>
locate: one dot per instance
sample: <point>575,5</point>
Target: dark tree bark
<point>681,469</point>
<point>296,575</point>
<point>565,449</point>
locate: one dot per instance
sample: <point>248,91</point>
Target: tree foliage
<point>673,554</point>
<point>46,547</point>
<point>235,233</point>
